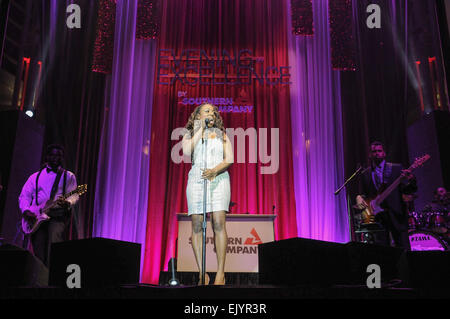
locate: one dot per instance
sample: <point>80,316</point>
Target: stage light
<point>173,281</point>
<point>29,113</point>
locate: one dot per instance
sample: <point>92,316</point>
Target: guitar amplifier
<point>102,262</point>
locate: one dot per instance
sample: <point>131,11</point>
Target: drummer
<point>438,212</point>
<point>441,201</point>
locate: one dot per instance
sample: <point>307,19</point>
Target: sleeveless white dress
<point>218,190</point>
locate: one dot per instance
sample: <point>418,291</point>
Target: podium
<point>245,232</point>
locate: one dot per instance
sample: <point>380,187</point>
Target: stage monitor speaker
<point>430,135</point>
<point>360,255</point>
<point>102,262</point>
<point>21,139</point>
<point>425,269</point>
<point>20,268</point>
<point>300,261</point>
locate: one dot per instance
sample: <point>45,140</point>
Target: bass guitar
<point>372,205</point>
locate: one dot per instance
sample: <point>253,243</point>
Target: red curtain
<point>259,26</point>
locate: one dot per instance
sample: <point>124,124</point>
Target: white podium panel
<point>245,233</point>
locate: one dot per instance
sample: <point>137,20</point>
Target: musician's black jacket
<point>393,204</point>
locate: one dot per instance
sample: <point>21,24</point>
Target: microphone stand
<point>205,185</point>
<point>349,210</point>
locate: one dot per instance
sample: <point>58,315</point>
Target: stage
<point>314,132</point>
<point>227,293</point>
<point>250,287</point>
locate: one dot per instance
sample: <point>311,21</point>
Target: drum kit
<point>429,229</point>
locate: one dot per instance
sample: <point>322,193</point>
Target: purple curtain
<point>317,133</point>
<point>122,178</point>
<point>69,96</point>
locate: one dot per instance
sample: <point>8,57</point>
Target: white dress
<point>218,190</point>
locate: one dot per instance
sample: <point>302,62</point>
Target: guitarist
<point>49,183</point>
<point>380,174</point>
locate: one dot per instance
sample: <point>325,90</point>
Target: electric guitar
<point>31,224</point>
<point>373,204</point>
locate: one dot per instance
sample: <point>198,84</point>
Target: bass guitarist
<point>380,174</point>
<point>49,184</point>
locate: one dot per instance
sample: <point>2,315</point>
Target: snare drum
<point>424,240</point>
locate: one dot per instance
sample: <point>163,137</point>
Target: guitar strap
<point>64,184</point>
<point>37,186</point>
<point>56,183</point>
<point>64,181</point>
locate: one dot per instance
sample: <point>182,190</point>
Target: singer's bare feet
<point>206,279</point>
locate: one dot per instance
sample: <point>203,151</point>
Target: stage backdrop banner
<point>235,54</point>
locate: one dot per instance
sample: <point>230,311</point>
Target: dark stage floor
<point>226,301</point>
<point>227,292</point>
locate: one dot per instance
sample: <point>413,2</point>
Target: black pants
<point>400,237</point>
<point>51,231</point>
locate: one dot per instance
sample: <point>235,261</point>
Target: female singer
<point>206,123</point>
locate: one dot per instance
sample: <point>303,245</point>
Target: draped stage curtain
<point>70,97</point>
<point>307,113</point>
<point>376,96</point>
<point>382,98</point>
<point>139,189</point>
<point>215,25</point>
<point>316,115</point>
<point>122,175</point>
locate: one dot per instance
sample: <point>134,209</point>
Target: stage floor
<point>225,301</point>
<point>227,292</point>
